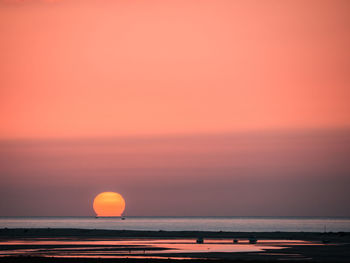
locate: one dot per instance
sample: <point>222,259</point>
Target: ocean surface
<point>243,224</point>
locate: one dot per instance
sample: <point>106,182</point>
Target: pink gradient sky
<point>184,107</point>
<point>109,68</point>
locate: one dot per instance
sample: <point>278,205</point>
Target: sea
<point>234,224</point>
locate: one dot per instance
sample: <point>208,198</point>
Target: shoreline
<point>98,233</point>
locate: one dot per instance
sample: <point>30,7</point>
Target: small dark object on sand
<point>200,240</point>
<point>253,240</point>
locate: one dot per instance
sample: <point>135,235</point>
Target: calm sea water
<point>244,224</point>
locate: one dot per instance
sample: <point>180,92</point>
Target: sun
<point>109,204</point>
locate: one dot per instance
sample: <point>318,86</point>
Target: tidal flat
<point>86,245</point>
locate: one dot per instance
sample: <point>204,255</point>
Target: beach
<point>87,245</point>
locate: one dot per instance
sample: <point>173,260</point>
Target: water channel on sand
<point>136,248</point>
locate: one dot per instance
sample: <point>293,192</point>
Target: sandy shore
<point>67,232</point>
<point>336,249</point>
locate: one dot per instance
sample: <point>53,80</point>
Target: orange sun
<point>109,204</point>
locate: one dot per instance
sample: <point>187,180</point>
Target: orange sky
<point>251,99</point>
<point>105,68</point>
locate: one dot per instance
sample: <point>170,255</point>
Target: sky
<point>184,107</point>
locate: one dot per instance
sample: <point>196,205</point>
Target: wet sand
<point>68,232</point>
<point>336,249</point>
